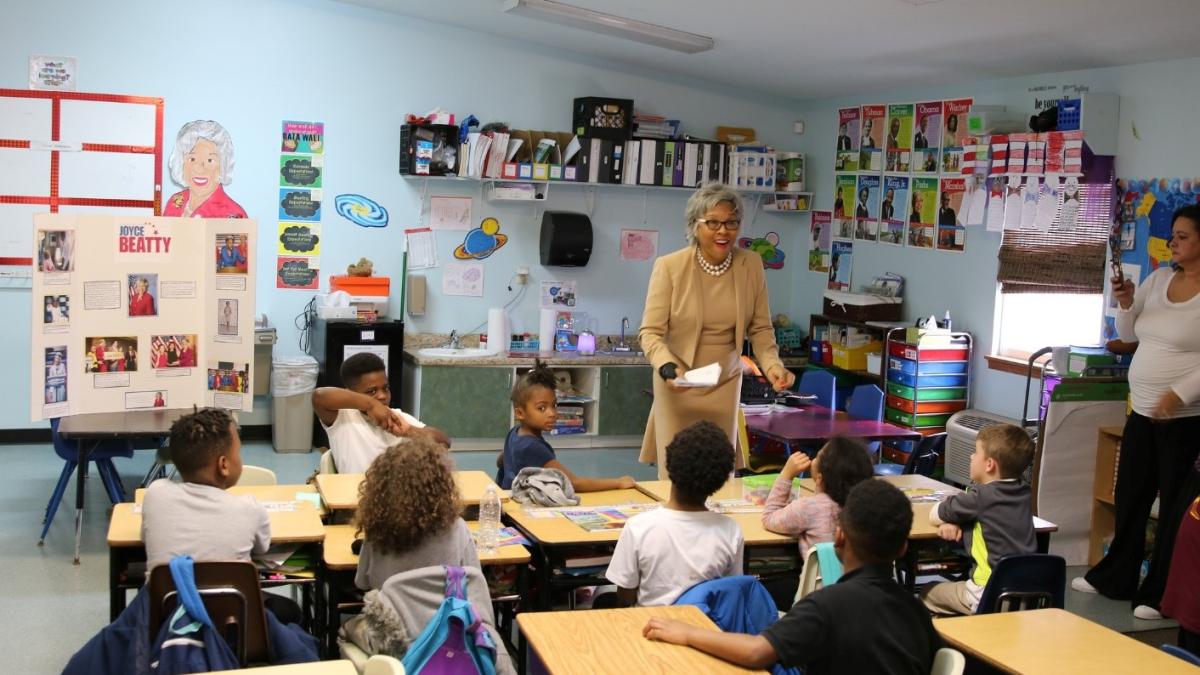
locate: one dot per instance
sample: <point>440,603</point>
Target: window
<point>1026,322</point>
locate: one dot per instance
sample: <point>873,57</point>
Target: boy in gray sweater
<point>993,520</point>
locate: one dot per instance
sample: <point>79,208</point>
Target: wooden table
<point>98,427</point>
<point>301,526</point>
<point>814,424</point>
<point>342,667</point>
<point>1053,641</point>
<point>339,491</point>
<point>753,531</point>
<point>339,557</point>
<point>610,641</point>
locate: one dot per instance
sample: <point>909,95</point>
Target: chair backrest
<point>233,598</point>
<point>866,403</point>
<point>923,459</point>
<point>822,384</point>
<point>327,465</point>
<point>1027,581</point>
<point>98,450</point>
<point>381,664</point>
<point>810,576</point>
<point>948,662</point>
<point>257,475</point>
<point>1181,653</point>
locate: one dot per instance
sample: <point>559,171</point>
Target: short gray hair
<point>192,132</point>
<point>705,198</point>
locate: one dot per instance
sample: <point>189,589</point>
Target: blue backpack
<point>188,642</point>
<point>455,641</point>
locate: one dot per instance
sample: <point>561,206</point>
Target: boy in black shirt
<point>865,623</point>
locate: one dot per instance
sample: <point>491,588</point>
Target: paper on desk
<point>276,556</point>
<point>705,376</point>
<point>279,506</point>
<point>310,497</point>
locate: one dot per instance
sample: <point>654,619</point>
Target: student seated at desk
<point>865,623</point>
<point>662,553</point>
<point>408,515</point>
<point>994,519</point>
<point>197,517</point>
<point>535,405</point>
<point>840,465</point>
<point>359,419</point>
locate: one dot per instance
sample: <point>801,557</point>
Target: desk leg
<point>1043,542</point>
<point>81,473</point>
<point>545,600</point>
<point>116,594</point>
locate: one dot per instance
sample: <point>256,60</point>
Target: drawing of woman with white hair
<point>202,162</point>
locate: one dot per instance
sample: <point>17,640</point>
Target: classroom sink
<point>449,353</point>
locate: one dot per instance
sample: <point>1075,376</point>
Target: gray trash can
<point>292,383</point>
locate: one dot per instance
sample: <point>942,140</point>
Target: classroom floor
<point>52,607</point>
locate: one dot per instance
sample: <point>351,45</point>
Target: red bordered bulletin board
<point>77,133</point>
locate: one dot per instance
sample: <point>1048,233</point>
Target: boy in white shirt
<point>664,552</point>
<point>360,420</point>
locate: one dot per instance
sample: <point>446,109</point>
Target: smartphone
<point>1114,245</point>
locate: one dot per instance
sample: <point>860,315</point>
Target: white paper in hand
<point>700,377</point>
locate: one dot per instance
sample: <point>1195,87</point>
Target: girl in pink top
<point>840,465</point>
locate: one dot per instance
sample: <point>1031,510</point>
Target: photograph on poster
<point>56,374</point>
<point>227,316</point>
<point>110,354</point>
<point>58,310</point>
<point>56,250</point>
<point>173,351</point>
<point>141,400</point>
<point>231,254</point>
<point>143,289</point>
<point>224,376</point>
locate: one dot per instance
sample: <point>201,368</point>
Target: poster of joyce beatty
<point>870,150</point>
<point>899,137</point>
<point>848,139</point>
<point>866,213</point>
<point>845,187</point>
<point>892,210</point>
<point>927,137</point>
<point>132,316</point>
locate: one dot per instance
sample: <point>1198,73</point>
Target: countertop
<point>556,359</point>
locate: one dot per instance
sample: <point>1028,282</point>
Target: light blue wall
<point>1159,99</point>
<point>250,65</point>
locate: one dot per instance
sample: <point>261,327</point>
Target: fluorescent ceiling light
<point>608,24</point>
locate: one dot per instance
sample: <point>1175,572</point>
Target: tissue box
<point>862,307</point>
<point>1082,358</point>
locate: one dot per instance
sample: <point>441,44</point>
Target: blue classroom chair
<point>102,454</point>
<point>822,384</point>
<point>1181,653</point>
<point>1027,581</point>
<point>866,403</point>
<point>922,460</point>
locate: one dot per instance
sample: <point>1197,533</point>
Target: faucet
<point>623,346</point>
<point>453,343</point>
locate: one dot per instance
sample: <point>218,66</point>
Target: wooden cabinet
<point>467,402</point>
<point>1104,509</point>
<point>624,404</point>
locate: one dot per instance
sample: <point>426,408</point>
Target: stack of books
<point>655,126</point>
<point>570,419</point>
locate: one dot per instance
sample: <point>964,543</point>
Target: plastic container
<point>489,520</point>
<point>292,383</point>
<point>924,367</point>
<point>921,381</point>
<point>931,394</point>
<point>910,420</point>
<point>906,351</point>
<point>910,406</point>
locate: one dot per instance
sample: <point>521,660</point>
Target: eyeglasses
<point>714,225</point>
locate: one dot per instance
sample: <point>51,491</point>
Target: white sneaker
<point>1080,584</point>
<point>1147,612</point>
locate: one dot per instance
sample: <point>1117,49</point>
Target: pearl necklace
<point>711,269</point>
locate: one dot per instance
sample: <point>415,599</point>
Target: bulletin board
<point>133,313</point>
<point>75,152</point>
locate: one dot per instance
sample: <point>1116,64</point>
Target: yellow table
<point>318,668</point>
<point>610,641</point>
<point>263,493</point>
<point>753,531</point>
<point>339,557</point>
<point>558,531</point>
<point>1053,641</point>
<point>300,526</point>
<point>339,491</point>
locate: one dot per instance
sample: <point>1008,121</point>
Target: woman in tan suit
<point>703,301</point>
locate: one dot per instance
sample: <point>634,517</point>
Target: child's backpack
<point>455,641</point>
<point>187,642</point>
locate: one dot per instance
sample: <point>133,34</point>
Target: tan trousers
<point>949,597</point>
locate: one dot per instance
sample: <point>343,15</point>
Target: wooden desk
<point>263,493</point>
<point>125,545</point>
<point>815,424</point>
<point>342,667</point>
<point>339,491</point>
<point>559,531</point>
<point>753,531</point>
<point>97,427</point>
<point>339,557</point>
<point>1053,641</point>
<point>610,641</point>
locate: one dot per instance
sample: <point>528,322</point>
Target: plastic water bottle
<point>489,520</point>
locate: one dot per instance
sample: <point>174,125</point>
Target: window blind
<point>1061,260</point>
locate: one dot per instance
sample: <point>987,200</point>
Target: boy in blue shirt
<point>535,405</point>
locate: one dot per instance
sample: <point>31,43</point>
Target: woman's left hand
<point>781,378</point>
<point>1168,405</point>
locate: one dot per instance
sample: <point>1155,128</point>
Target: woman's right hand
<point>1122,290</point>
<point>674,387</point>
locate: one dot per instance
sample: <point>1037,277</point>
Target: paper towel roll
<point>546,331</point>
<point>497,331</point>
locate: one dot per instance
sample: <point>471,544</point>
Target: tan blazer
<point>674,315</point>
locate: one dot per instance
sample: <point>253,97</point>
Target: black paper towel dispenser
<point>566,239</point>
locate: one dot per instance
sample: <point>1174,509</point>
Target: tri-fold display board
<point>135,313</point>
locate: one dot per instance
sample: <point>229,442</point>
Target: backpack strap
<point>831,567</point>
<point>184,576</point>
<point>456,582</point>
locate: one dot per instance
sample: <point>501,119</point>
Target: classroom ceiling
<point>809,49</point>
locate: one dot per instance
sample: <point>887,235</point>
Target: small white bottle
<point>489,520</point>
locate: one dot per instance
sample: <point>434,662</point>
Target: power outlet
<point>522,276</point>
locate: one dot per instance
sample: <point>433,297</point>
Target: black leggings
<point>1156,457</point>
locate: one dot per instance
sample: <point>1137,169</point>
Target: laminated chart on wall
<point>64,151</point>
<point>159,313</point>
<point>301,193</point>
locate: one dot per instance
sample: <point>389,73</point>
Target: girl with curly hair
<point>408,514</point>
